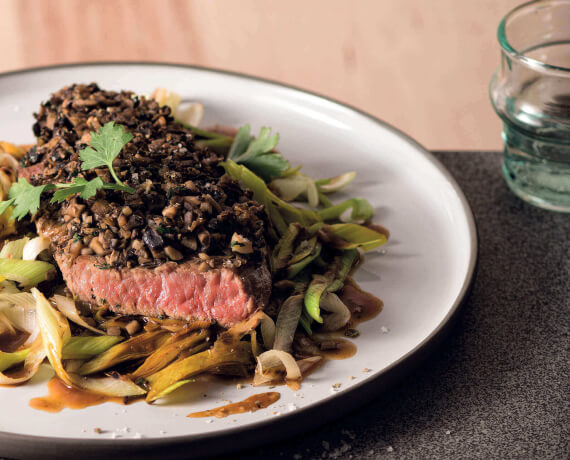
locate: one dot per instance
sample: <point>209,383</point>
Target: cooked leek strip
<point>352,236</point>
<point>139,346</point>
<point>279,211</point>
<point>14,249</point>
<point>20,299</point>
<point>267,330</point>
<point>116,385</point>
<point>34,358</point>
<point>8,360</point>
<point>339,313</point>
<point>361,210</point>
<point>284,248</point>
<point>168,352</point>
<point>293,270</point>
<point>287,322</point>
<point>26,272</point>
<point>55,332</point>
<point>87,347</point>
<point>270,362</point>
<point>220,355</point>
<point>66,305</point>
<point>347,261</point>
<point>313,295</point>
<point>334,184</point>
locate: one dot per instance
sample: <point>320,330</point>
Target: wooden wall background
<point>422,65</point>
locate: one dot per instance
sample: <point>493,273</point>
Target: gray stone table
<point>498,386</point>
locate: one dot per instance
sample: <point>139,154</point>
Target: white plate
<point>422,277</point>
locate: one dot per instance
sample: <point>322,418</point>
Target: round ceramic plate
<point>423,274</point>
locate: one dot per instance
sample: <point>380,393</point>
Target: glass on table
<point>530,91</point>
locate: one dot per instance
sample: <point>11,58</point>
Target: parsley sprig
<point>105,146</point>
<point>258,154</point>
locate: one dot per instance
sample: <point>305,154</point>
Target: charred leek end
<point>221,355</point>
<point>8,360</point>
<point>351,236</point>
<point>26,272</point>
<point>87,347</point>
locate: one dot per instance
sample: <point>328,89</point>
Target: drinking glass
<point>530,91</point>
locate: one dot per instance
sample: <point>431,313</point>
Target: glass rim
<point>507,47</point>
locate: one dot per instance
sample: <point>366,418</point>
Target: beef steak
<point>168,249</point>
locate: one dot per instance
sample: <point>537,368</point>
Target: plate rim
<point>261,432</point>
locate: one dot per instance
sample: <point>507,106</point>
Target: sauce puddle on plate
<point>362,305</point>
<point>60,397</point>
<point>251,404</point>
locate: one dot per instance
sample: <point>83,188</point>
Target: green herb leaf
<point>85,188</point>
<point>258,154</point>
<point>26,197</point>
<point>240,143</point>
<point>268,166</point>
<point>264,143</point>
<point>105,146</point>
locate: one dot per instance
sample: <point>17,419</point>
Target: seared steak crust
<point>166,249</point>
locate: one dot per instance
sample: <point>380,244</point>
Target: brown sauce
<point>10,343</point>
<point>251,404</point>
<point>60,397</point>
<point>363,305</point>
<point>344,349</point>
